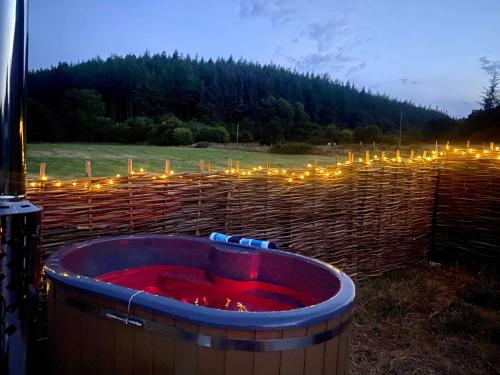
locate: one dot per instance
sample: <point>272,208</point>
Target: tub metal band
<point>223,343</point>
<point>269,345</point>
<point>212,342</point>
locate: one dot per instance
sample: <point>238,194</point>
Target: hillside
<point>89,101</point>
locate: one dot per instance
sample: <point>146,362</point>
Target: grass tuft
<point>456,318</point>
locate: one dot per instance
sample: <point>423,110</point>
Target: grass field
<point>68,159</point>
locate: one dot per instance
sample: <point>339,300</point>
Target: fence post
<point>167,167</point>
<point>367,157</point>
<point>202,167</point>
<point>88,169</point>
<point>130,167</point>
<point>412,154</point>
<point>42,175</point>
<point>88,175</point>
<point>492,146</point>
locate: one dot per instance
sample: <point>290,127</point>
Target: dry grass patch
<point>427,321</point>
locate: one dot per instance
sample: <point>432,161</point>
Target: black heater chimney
<point>19,219</point>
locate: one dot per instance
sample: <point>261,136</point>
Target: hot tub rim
<point>335,306</point>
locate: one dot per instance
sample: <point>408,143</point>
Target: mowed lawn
<point>67,160</point>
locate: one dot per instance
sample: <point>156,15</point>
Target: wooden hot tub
<point>158,304</point>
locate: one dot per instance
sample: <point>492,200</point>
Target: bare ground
<point>428,320</point>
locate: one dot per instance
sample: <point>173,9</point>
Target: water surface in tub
<point>199,287</point>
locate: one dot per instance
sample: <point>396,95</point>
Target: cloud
<point>279,11</point>
<point>489,66</point>
<point>332,38</point>
<point>322,62</point>
<point>325,33</point>
<point>406,81</point>
<point>356,68</point>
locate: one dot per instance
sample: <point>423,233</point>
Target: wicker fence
<point>467,214</point>
<point>367,217</point>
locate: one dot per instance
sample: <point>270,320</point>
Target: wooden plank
<point>211,361</point>
<point>239,363</point>
<point>332,349</point>
<point>344,342</point>
<point>267,363</point>
<point>143,346</point>
<point>71,330</point>
<point>56,344</point>
<point>186,353</point>
<point>106,339</point>
<point>315,354</point>
<point>293,361</point>
<point>163,349</point>
<point>124,344</point>
<point>89,336</point>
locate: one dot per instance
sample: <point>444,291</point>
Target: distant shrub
<point>245,137</point>
<point>213,134</point>
<point>139,128</point>
<point>201,144</point>
<point>292,148</point>
<point>345,136</point>
<point>389,139</point>
<point>370,133</point>
<point>332,133</point>
<point>182,136</point>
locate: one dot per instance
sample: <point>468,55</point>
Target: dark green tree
<point>491,95</point>
<point>182,136</point>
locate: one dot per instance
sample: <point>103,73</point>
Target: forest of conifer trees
<point>173,99</point>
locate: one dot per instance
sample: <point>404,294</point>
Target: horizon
<point>446,65</point>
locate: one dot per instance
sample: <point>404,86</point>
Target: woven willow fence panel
<point>468,209</point>
<point>367,218</point>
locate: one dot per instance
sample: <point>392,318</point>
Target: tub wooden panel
<point>293,361</point>
<point>211,361</point>
<point>163,352</point>
<point>240,362</point>
<point>186,353</point>
<point>332,349</point>
<point>315,354</point>
<point>83,341</point>
<point>267,363</point>
<point>344,341</point>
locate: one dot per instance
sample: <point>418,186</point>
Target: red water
<point>198,287</point>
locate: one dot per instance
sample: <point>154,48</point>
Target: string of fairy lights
<point>290,175</point>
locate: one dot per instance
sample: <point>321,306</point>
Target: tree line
<point>174,99</point>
